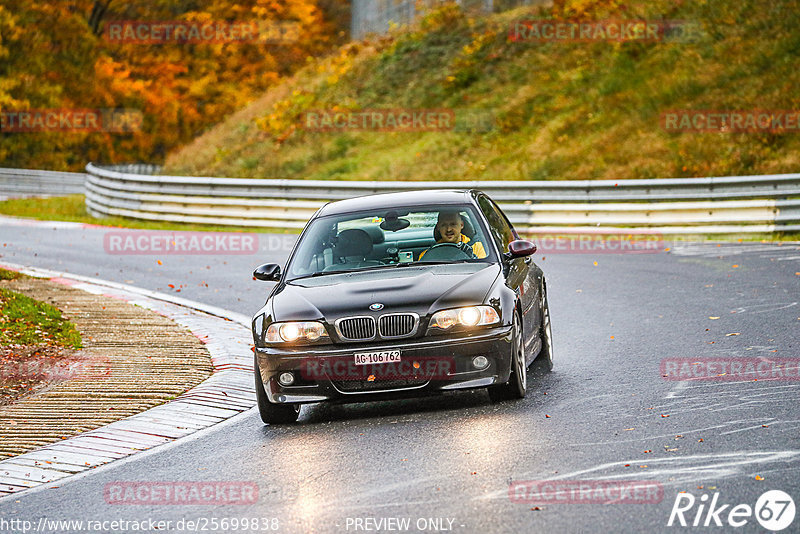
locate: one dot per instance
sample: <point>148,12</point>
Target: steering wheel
<point>448,251</point>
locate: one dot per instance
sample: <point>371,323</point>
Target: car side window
<point>508,228</point>
<point>502,233</point>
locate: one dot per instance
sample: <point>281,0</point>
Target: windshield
<point>390,238</point>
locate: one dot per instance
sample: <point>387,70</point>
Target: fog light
<point>480,362</point>
<point>286,379</point>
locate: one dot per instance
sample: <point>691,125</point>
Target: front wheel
<point>273,414</point>
<point>517,384</point>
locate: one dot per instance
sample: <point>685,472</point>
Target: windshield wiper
<point>323,273</point>
<point>446,262</point>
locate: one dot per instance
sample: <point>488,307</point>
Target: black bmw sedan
<point>400,294</point>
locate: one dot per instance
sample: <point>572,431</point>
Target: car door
<point>522,275</point>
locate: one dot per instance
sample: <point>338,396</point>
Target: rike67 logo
<point>774,511</point>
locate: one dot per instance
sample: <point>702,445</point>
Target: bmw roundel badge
<point>375,307</point>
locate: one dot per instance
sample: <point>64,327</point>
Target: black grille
<point>397,325</point>
<point>357,328</point>
<point>377,384</point>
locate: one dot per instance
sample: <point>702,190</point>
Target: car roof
<point>396,200</point>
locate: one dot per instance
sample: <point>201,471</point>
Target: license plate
<point>384,356</point>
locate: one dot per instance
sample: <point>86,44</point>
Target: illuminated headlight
<point>293,332</point>
<point>468,317</point>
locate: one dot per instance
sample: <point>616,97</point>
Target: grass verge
<point>25,321</point>
<point>528,110</point>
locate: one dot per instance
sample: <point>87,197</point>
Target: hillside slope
<point>557,110</point>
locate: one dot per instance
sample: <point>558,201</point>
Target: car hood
<point>417,289</point>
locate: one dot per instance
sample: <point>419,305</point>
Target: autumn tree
<point>58,55</point>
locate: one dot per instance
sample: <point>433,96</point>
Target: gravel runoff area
<point>143,378</point>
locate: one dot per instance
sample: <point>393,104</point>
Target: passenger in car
<point>449,229</point>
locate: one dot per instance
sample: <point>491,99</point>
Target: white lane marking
<point>677,390</point>
<point>772,422</point>
<point>668,435</point>
<point>718,384</point>
<point>671,471</point>
<point>712,250</point>
<point>770,307</point>
<point>20,221</point>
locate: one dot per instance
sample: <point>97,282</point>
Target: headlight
<point>293,332</point>
<point>467,317</point>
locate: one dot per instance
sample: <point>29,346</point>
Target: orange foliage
<point>57,55</point>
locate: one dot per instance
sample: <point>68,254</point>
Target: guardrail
<point>34,183</point>
<point>739,204</point>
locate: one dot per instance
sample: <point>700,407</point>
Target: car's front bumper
<point>328,373</point>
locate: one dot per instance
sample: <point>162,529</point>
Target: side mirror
<point>269,272</point>
<point>520,248</point>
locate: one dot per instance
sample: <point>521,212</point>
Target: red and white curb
<point>228,392</point>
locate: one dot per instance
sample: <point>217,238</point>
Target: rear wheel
<point>545,357</point>
<point>273,414</point>
<point>517,383</point>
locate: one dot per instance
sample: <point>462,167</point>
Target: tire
<point>545,357</point>
<point>517,384</point>
<point>273,414</point>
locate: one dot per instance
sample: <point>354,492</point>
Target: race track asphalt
<point>605,413</point>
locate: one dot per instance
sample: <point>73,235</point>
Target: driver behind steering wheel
<point>450,224</point>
